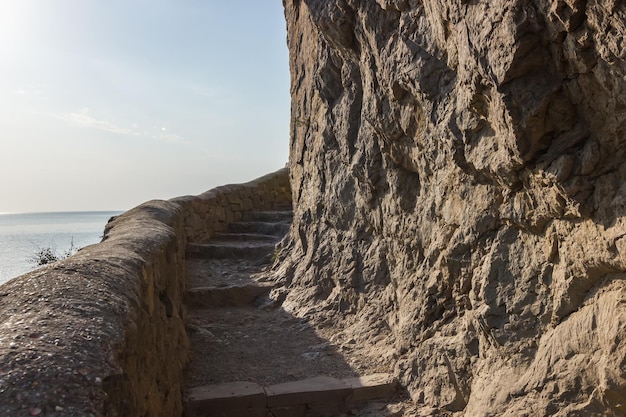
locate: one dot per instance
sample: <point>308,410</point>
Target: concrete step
<point>269,216</point>
<point>319,396</point>
<point>228,296</point>
<point>250,237</point>
<point>230,250</point>
<point>257,227</point>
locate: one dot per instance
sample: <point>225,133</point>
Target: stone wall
<point>211,211</point>
<point>459,172</point>
<point>103,332</point>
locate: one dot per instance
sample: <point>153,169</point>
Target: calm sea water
<point>21,235</point>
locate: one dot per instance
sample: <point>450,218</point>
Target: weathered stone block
<point>370,387</point>
<point>236,295</point>
<point>322,389</point>
<point>247,204</point>
<point>225,399</point>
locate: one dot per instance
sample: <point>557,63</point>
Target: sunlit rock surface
<point>459,180</point>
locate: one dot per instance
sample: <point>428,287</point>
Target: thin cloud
<point>84,119</point>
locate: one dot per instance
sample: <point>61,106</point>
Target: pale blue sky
<point>105,104</point>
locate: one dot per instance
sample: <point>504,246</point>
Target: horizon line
<point>60,211</point>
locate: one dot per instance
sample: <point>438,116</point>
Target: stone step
<point>319,396</point>
<point>257,227</point>
<point>228,296</point>
<point>239,399</point>
<point>269,216</point>
<point>250,237</point>
<point>230,250</point>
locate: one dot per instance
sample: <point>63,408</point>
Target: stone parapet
<point>88,335</point>
<point>102,333</point>
<point>210,212</point>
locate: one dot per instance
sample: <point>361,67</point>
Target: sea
<point>22,235</point>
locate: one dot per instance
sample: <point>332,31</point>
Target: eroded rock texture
<point>459,178</point>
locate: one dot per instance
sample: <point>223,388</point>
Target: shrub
<point>48,255</point>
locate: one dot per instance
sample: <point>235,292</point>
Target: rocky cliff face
<point>459,178</point>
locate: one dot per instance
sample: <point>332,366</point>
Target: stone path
<point>250,357</point>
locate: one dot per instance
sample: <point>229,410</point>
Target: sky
<point>105,104</point>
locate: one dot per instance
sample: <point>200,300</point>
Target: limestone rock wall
<point>103,332</point>
<point>458,171</point>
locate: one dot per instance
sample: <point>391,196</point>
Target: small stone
<point>320,347</point>
<point>84,371</point>
<point>35,411</point>
<point>58,408</point>
<point>309,356</point>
